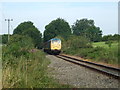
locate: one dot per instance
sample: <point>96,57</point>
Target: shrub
<point>17,46</point>
<point>76,42</point>
<point>109,43</point>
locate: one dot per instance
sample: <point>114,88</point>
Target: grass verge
<point>100,52</point>
<point>30,72</point>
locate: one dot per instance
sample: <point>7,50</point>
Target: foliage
<point>118,52</point>
<point>100,52</point>
<point>23,27</point>
<point>108,54</point>
<point>57,27</point>
<point>109,43</point>
<point>76,42</point>
<point>4,38</point>
<point>24,66</point>
<point>17,46</point>
<point>114,37</point>
<point>30,72</point>
<point>87,29</point>
<point>27,28</point>
<point>35,35</point>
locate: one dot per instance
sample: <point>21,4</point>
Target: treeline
<point>114,37</point>
<point>60,27</point>
<point>83,27</point>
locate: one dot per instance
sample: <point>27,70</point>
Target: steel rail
<point>90,67</point>
<point>113,68</point>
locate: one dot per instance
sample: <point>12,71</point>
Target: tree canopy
<point>111,37</point>
<point>57,27</point>
<point>27,28</point>
<point>87,29</point>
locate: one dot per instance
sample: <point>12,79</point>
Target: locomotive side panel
<point>47,46</point>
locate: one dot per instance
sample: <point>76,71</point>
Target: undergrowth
<point>24,66</point>
<point>98,54</point>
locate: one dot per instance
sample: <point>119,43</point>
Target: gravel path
<point>67,73</point>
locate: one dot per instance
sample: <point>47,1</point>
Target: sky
<point>104,14</point>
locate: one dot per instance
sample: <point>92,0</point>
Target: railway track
<point>107,70</point>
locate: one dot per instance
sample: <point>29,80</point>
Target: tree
<point>57,27</point>
<point>109,37</point>
<point>87,29</point>
<point>35,35</point>
<point>116,37</point>
<point>23,27</point>
<point>27,28</point>
<point>4,38</point>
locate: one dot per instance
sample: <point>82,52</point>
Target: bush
<point>109,43</point>
<point>25,67</point>
<point>82,47</point>
<point>76,42</point>
<point>17,46</point>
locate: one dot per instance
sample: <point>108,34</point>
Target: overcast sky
<point>105,14</point>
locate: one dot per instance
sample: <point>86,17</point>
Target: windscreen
<point>56,40</point>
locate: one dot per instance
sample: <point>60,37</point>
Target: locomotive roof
<point>52,39</point>
<point>55,39</point>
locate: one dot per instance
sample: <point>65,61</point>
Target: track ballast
<point>107,70</point>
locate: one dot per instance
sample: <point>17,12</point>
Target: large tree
<point>87,29</point>
<point>27,28</point>
<point>57,27</point>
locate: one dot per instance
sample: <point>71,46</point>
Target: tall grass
<point>100,52</point>
<point>24,66</point>
<point>30,72</point>
<point>26,72</point>
<point>0,66</point>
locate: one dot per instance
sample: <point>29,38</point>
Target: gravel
<point>80,77</point>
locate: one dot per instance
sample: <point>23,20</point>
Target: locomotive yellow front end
<point>56,45</point>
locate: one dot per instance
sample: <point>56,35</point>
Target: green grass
<point>28,72</point>
<point>100,52</point>
<point>102,44</point>
<point>0,66</point>
<point>112,52</point>
<point>24,66</point>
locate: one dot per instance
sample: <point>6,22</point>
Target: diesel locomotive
<point>53,46</point>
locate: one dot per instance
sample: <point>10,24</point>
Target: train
<point>53,46</point>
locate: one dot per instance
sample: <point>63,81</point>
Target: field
<point>100,52</point>
<point>102,44</point>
